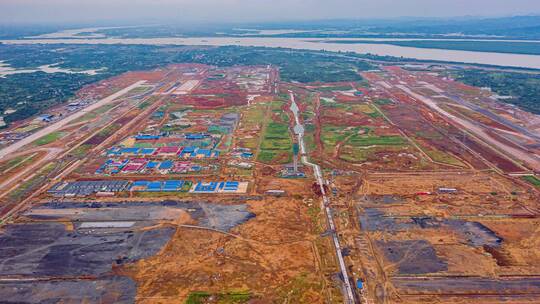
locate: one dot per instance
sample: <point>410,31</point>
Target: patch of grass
<point>533,180</point>
<point>267,156</point>
<point>335,88</point>
<point>355,155</point>
<point>81,151</point>
<point>277,130</point>
<point>329,104</point>
<point>383,101</point>
<point>109,130</point>
<point>368,110</point>
<point>96,112</point>
<point>332,135</point>
<point>276,144</point>
<point>197,297</point>
<point>276,105</point>
<point>11,163</point>
<point>32,184</point>
<point>299,289</point>
<point>47,139</point>
<point>145,104</point>
<point>234,297</point>
<point>364,108</point>
<point>362,154</point>
<point>369,140</point>
<point>173,128</point>
<point>314,214</point>
<point>443,157</point>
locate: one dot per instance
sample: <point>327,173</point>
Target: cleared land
<point>194,197</point>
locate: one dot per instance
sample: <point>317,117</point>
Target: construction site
<point>199,184</point>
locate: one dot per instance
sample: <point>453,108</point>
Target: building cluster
<point>185,152</point>
<point>145,166</point>
<point>111,188</point>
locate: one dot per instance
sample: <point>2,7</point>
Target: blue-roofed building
<point>187,152</point>
<point>166,165</point>
<point>153,186</point>
<point>152,165</point>
<point>195,136</point>
<point>147,151</point>
<point>206,187</point>
<point>100,169</point>
<point>139,185</point>
<point>146,137</point>
<point>203,153</point>
<point>229,186</point>
<point>173,185</point>
<point>246,155</point>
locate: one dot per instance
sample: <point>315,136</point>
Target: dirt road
<point>299,131</point>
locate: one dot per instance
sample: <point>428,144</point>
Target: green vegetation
<point>276,137</point>
<point>368,110</point>
<point>298,289</point>
<point>533,180</point>
<point>252,119</point>
<point>358,137</point>
<point>31,93</point>
<point>17,162</point>
<point>215,129</point>
<point>523,87</point>
<point>384,101</point>
<point>96,112</point>
<point>334,88</point>
<point>144,105</point>
<point>331,135</point>
<point>237,297</point>
<point>314,214</point>
<point>309,137</point>
<point>276,145</point>
<point>32,184</point>
<point>371,140</point>
<point>12,163</point>
<point>81,151</point>
<point>47,139</point>
<point>443,157</point>
<point>358,142</point>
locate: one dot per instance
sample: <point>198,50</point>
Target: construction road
<point>299,131</point>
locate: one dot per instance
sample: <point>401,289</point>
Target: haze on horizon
<point>215,11</point>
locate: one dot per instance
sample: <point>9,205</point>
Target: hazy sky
<point>36,11</point>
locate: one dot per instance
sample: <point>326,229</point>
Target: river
<point>500,59</point>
